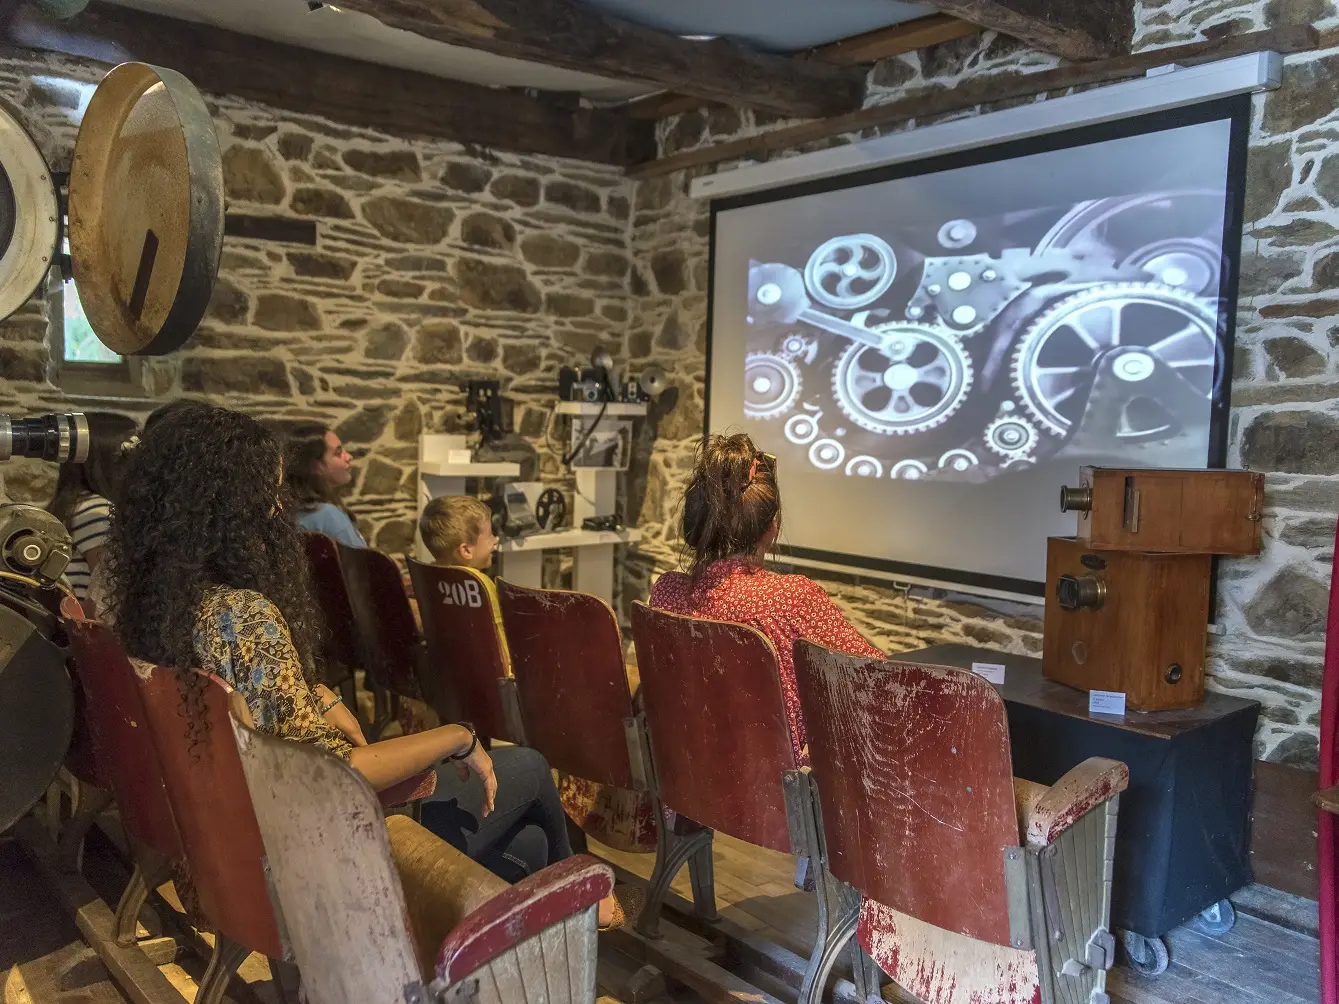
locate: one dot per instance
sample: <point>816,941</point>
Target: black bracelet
<point>474,743</point>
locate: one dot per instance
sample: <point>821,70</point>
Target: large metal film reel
<point>146,209</point>
<point>29,216</point>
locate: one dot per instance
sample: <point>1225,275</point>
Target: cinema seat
<point>126,758</point>
<point>338,656</point>
<point>576,701</point>
<point>973,886</point>
<point>377,912</point>
<point>716,722</point>
<point>191,731</point>
<point>392,653</point>
<point>465,654</point>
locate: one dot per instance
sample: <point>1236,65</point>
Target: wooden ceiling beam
<point>347,91</point>
<point>895,40</point>
<point>870,47</point>
<point>559,33</point>
<point>974,92</point>
<point>1074,29</point>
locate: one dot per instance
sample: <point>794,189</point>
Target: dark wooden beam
<point>908,36</point>
<point>896,39</point>
<point>347,91</point>
<point>984,90</point>
<point>576,38</point>
<point>1075,29</point>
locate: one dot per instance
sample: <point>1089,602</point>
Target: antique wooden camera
<point>1127,603</point>
<point>1127,621</point>
<point>1177,512</point>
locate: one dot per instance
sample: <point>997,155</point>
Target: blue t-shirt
<point>332,521</point>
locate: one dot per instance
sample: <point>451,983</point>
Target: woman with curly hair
<point>316,468</point>
<point>207,571</point>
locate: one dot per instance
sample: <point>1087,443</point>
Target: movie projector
<point>146,220</point>
<point>1127,604</point>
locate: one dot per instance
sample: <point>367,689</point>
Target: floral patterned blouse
<point>782,607</point>
<point>242,638</point>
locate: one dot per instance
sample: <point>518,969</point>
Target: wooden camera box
<point>1174,511</point>
<point>1128,622</point>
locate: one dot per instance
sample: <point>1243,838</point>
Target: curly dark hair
<point>201,505</point>
<point>730,502</point>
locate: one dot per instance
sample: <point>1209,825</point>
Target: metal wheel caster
<point>1215,920</point>
<point>1147,956</point>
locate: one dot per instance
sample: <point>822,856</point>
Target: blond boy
<point>458,530</point>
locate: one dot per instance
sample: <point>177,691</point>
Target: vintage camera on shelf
<point>585,385</point>
<point>600,523</point>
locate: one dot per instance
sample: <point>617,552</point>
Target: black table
<point>1184,829</point>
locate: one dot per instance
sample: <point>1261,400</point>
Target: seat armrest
<point>411,789</point>
<point>1091,783</point>
<point>522,912</point>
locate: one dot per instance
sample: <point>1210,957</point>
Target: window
<point>80,364</point>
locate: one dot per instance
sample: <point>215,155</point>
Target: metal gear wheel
<point>1114,228</point>
<point>850,272</point>
<point>918,379</point>
<point>1054,360</point>
<point>1011,436</point>
<point>958,460</point>
<point>827,454</point>
<point>1191,265</point>
<point>802,429</point>
<point>864,467</point>
<point>909,470</point>
<point>771,385</point>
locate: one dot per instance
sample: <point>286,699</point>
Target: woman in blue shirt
<point>316,467</point>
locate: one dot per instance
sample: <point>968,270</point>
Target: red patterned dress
<point>782,607</point>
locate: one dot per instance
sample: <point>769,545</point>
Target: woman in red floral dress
<point>731,519</point>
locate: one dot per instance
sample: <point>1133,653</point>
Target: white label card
<point>1106,702</point>
<point>993,672</point>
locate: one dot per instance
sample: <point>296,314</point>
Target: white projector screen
<point>932,349</point>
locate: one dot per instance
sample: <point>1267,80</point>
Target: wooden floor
<point>1257,962</point>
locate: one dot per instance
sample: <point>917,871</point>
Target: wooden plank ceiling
<point>823,83</point>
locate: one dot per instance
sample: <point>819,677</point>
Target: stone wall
<point>1285,418</point>
<point>434,264</point>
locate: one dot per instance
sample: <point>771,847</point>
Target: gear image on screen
<point>1097,321</point>
<point>932,349</point>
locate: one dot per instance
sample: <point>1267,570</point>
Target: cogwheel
<point>1011,437</point>
<point>958,460</point>
<point>771,385</point>
<point>915,381</point>
<point>827,454</point>
<point>1055,357</point>
<point>910,470</point>
<point>864,467</point>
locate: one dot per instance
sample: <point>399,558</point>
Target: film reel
<point>551,509</point>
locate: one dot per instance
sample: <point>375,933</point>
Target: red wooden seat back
<point>571,680</point>
<point>464,651</point>
<point>210,802</point>
<point>719,737</point>
<point>916,785</point>
<point>385,620</point>
<point>119,729</point>
<point>339,646</point>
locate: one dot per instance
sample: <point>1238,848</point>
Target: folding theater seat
<point>392,652</point>
<point>377,913</point>
<point>126,758</point>
<point>228,895</point>
<point>576,698</point>
<point>339,656</point>
<point>720,741</point>
<point>469,666</point>
<point>973,886</point>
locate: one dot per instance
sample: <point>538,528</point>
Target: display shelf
<point>489,470</point>
<point>569,538</point>
<point>611,410</point>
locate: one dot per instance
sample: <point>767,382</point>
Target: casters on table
<point>1215,920</point>
<point>1147,956</point>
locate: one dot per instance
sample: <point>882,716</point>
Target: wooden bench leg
<point>673,851</point>
<point>228,955</point>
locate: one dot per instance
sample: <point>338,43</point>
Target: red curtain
<point>1327,828</point>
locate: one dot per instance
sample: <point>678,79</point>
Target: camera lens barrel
<point>59,438</point>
